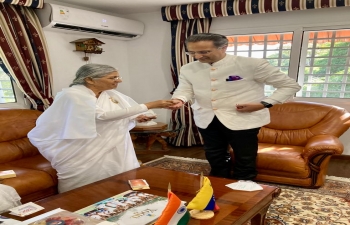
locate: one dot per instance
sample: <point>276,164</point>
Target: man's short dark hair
<point>217,39</point>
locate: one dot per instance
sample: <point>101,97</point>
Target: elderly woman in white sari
<point>85,132</point>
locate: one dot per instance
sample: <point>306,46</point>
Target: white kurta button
<point>212,68</point>
<point>214,108</point>
<point>213,89</point>
<point>213,100</point>
<point>213,79</point>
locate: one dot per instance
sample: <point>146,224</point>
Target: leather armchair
<point>36,179</point>
<point>295,148</point>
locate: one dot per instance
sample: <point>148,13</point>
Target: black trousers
<point>244,143</point>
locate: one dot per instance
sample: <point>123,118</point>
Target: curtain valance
<point>242,7</point>
<point>27,3</point>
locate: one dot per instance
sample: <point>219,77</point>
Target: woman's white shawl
<point>87,139</point>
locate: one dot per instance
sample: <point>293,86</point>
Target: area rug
<point>328,205</point>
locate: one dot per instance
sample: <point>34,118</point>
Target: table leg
<point>151,139</point>
<point>161,140</point>
<point>259,219</point>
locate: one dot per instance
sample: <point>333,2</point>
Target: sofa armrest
<point>322,144</point>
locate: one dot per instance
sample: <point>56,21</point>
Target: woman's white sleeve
<point>120,113</point>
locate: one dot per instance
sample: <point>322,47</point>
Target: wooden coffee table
<point>236,207</point>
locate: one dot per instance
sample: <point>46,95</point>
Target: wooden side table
<point>153,133</point>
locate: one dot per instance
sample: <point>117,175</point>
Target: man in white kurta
<point>85,138</point>
<point>229,102</point>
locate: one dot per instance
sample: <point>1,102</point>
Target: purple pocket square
<point>233,78</point>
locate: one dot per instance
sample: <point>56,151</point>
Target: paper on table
<point>25,209</point>
<point>244,185</point>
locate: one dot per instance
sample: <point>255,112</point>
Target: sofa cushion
<point>37,162</point>
<point>282,160</point>
<point>15,124</point>
<point>28,180</point>
<point>17,149</point>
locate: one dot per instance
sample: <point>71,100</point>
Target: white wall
<point>65,61</point>
<point>149,62</point>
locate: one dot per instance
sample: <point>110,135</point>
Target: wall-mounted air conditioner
<point>71,20</point>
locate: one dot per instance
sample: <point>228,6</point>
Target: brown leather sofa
<point>295,148</point>
<point>36,179</point>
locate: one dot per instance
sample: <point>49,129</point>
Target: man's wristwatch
<point>266,104</point>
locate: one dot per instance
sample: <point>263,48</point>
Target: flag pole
<point>201,180</point>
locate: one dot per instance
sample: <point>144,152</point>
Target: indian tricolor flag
<point>175,212</point>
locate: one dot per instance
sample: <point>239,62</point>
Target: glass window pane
<point>336,78</point>
<point>243,48</point>
<point>322,52</point>
<point>258,47</point>
<point>273,62</point>
<point>285,62</point>
<point>245,54</point>
<point>286,54</point>
<point>338,61</point>
<point>257,54</point>
<point>347,87</point>
<point>341,52</point>
<point>272,54</point>
<point>320,62</point>
<point>7,94</point>
<point>325,60</point>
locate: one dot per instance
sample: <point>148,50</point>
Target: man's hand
<point>249,107</point>
<point>177,104</point>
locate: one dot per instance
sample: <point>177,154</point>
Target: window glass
<point>324,64</point>
<point>7,93</point>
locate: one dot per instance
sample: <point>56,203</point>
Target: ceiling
<point>127,6</point>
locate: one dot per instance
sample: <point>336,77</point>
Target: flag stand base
<point>201,214</point>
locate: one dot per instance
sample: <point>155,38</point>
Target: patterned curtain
<point>180,30</point>
<point>243,7</point>
<point>27,3</point>
<point>24,53</point>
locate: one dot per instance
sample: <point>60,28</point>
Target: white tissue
<point>149,113</point>
<point>148,123</point>
<point>244,185</point>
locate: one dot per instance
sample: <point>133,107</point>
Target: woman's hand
<point>160,104</point>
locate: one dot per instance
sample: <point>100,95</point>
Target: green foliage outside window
<point>6,89</point>
<point>328,68</point>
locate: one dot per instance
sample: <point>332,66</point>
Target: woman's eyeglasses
<point>109,78</point>
<point>115,78</point>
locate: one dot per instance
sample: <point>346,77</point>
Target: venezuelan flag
<point>175,212</point>
<point>204,199</point>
